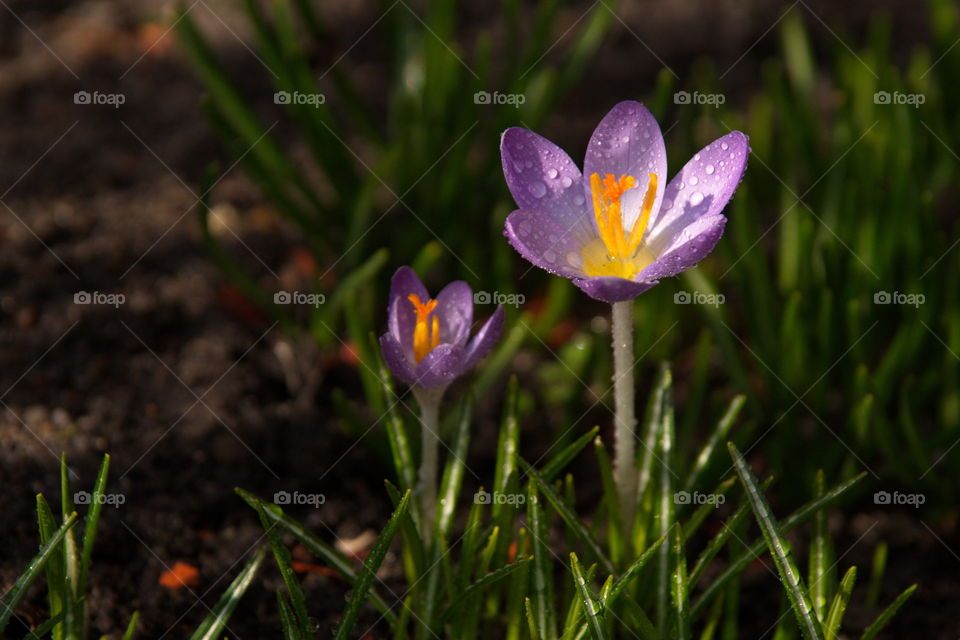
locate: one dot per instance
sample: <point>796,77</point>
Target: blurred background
<point>201,205</point>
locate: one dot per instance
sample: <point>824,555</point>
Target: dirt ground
<point>190,391</point>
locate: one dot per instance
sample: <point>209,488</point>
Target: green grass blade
<point>718,435</point>
<point>477,587</point>
<point>888,613</point>
<point>754,550</point>
<point>792,582</point>
<point>821,575</point>
<point>32,572</point>
<point>315,545</point>
<point>282,557</point>
<point>91,523</point>
<point>131,629</point>
<point>214,624</point>
<point>590,606</point>
<point>543,606</point>
<point>453,471</point>
<point>678,586</point>
<point>557,463</point>
<point>615,530</point>
<point>839,605</point>
<point>570,517</point>
<point>370,566</point>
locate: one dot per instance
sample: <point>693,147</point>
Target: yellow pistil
<point>426,334</point>
<point>615,253</point>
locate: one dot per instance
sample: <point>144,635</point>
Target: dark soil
<point>190,391</point>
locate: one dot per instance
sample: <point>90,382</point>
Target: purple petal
<point>455,310</point>
<point>397,360</point>
<point>628,142</point>
<point>440,367</point>
<point>708,181</point>
<point>541,176</point>
<point>543,241</point>
<point>401,318</point>
<point>689,247</point>
<point>612,289</point>
<point>483,342</point>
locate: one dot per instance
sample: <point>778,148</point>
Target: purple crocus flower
<point>617,228</point>
<point>428,344</point>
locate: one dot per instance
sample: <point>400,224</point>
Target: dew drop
<point>578,199</point>
<point>566,181</point>
<point>550,256</point>
<point>574,260</point>
<point>538,189</point>
<point>696,157</point>
<point>667,204</point>
<point>552,174</point>
<point>696,198</point>
<point>518,166</point>
<point>732,156</point>
<point>724,146</point>
<point>694,180</point>
<point>524,228</point>
<point>625,139</point>
<point>709,169</point>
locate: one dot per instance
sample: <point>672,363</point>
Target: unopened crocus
<point>618,227</point>
<point>428,346</point>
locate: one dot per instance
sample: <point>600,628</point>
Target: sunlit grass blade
<point>213,625</point>
<point>678,586</point>
<point>877,570</point>
<point>590,606</point>
<point>414,552</point>
<point>792,583</point>
<point>369,571</point>
<point>665,509</point>
<point>315,545</point>
<point>288,619</point>
<point>90,525</point>
<point>754,550</point>
<point>45,628</point>
<point>821,574</point>
<point>877,625</point>
<point>543,606</point>
<point>32,572</point>
<point>453,471</point>
<point>838,607</point>
<point>570,518</point>
<point>131,629</point>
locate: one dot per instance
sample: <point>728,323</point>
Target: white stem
<point>625,466</point>
<point>429,400</point>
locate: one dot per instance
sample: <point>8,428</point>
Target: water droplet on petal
<point>538,189</point>
<point>566,181</point>
<point>694,180</point>
<point>625,139</point>
<point>724,146</point>
<point>550,256</point>
<point>696,157</point>
<point>732,156</point>
<point>667,203</point>
<point>524,228</point>
<point>709,169</point>
<point>696,198</point>
<point>552,173</point>
<point>518,166</point>
<point>574,260</point>
<point>578,199</point>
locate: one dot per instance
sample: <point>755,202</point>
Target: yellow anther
<point>426,334</point>
<point>617,254</point>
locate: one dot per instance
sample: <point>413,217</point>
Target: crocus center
<point>615,252</point>
<point>426,334</point>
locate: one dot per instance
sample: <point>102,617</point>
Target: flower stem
<point>625,467</point>
<point>429,400</point>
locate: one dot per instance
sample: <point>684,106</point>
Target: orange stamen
<point>426,334</point>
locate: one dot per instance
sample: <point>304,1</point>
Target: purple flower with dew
<point>428,344</point>
<point>618,228</point>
